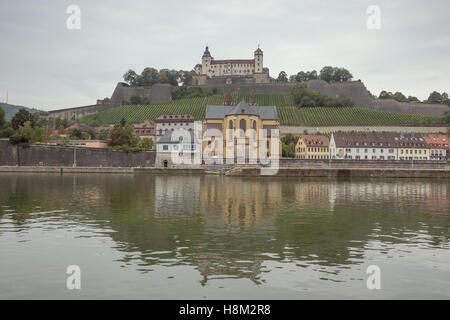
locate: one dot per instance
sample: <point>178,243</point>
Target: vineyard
<point>355,116</point>
<point>287,114</point>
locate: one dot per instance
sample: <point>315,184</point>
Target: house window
<point>165,147</point>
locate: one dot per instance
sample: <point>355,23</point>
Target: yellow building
<point>312,147</point>
<point>240,133</point>
<point>412,147</point>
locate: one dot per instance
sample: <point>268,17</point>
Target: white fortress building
<point>228,71</point>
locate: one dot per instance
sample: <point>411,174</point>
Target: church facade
<point>241,133</point>
<point>212,71</point>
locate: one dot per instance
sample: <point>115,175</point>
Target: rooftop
<point>220,112</point>
<point>315,140</point>
<point>174,117</point>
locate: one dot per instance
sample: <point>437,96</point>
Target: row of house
<point>374,146</point>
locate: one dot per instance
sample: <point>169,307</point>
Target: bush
<point>7,132</point>
<point>27,134</point>
<point>309,99</point>
<point>135,99</point>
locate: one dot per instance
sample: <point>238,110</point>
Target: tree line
<point>328,73</point>
<point>26,128</point>
<point>150,76</point>
<point>434,97</point>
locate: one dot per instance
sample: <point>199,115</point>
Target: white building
<point>179,147</point>
<point>363,146</point>
<point>211,68</point>
<point>171,122</point>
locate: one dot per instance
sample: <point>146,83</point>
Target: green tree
<point>146,143</point>
<point>131,77</point>
<point>122,135</point>
<point>400,97</point>
<point>412,99</point>
<point>334,74</point>
<point>76,134</point>
<point>5,129</point>
<point>135,99</point>
<point>3,122</point>
<point>327,74</point>
<point>301,77</point>
<point>435,97</point>
<point>385,95</point>
<point>342,75</point>
<point>282,76</point>
<point>27,134</point>
<point>148,77</point>
<point>20,118</point>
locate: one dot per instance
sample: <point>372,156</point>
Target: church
<point>212,71</point>
<point>241,133</point>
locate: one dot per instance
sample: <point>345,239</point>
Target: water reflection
<point>228,228</point>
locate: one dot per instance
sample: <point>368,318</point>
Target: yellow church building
<point>242,133</point>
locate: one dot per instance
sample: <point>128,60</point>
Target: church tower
<point>206,62</point>
<point>258,60</point>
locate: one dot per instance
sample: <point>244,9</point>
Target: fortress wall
<point>354,90</point>
<point>157,93</point>
<point>249,88</point>
<point>78,112</point>
<point>357,91</point>
<point>409,108</point>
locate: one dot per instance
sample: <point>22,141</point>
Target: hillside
<point>287,113</point>
<point>11,110</point>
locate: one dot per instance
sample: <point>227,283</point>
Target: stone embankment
<point>292,172</point>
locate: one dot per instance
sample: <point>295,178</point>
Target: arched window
<point>243,127</point>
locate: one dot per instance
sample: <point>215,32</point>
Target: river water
<point>215,237</point>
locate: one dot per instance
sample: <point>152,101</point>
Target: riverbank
<point>249,171</point>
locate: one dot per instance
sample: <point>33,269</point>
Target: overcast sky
<point>45,65</point>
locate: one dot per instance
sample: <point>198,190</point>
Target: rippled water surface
<point>215,237</point>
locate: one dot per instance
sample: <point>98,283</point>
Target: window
<point>243,127</point>
<point>165,147</point>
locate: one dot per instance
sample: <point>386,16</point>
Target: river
<point>216,237</point>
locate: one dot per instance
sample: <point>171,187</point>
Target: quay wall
<point>346,173</point>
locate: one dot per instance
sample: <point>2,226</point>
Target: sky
<point>45,64</point>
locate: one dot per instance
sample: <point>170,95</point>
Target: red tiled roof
<point>175,118</point>
<point>315,140</point>
<point>438,141</point>
<point>147,124</point>
<point>379,139</point>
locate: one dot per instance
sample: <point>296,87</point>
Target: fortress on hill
<point>212,71</point>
